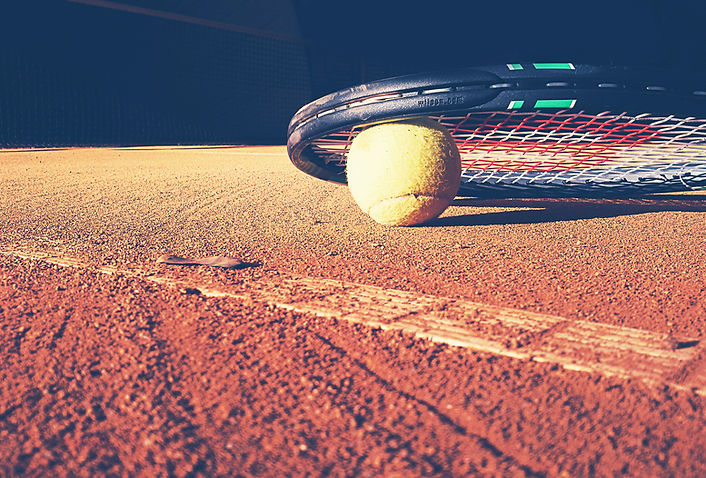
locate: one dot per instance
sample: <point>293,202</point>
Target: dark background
<point>76,74</point>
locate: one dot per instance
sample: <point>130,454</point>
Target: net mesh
<point>566,152</point>
<point>111,77</point>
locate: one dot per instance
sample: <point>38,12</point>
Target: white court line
<point>628,353</point>
<point>235,149</point>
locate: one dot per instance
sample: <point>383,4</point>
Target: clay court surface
<point>507,338</point>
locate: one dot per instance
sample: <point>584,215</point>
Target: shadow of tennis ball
<point>404,173</point>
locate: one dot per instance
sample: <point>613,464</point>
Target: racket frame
<point>519,87</point>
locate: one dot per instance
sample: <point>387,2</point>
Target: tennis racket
<point>529,129</point>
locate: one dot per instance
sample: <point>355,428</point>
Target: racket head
<point>529,129</point>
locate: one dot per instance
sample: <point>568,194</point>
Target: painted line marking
<point>237,150</point>
<point>623,352</point>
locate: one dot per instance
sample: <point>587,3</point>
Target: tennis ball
<point>404,173</point>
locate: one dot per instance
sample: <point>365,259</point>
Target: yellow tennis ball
<point>404,173</point>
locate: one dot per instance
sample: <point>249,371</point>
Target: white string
<point>564,148</point>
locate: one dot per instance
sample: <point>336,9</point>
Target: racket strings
<point>543,142</point>
<point>563,147</point>
<point>333,148</point>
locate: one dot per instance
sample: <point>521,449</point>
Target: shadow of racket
<point>533,211</point>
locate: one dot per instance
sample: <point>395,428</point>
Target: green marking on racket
<point>553,66</point>
<point>554,103</point>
